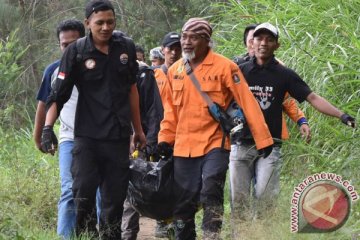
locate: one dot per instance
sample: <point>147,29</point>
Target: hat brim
<point>260,30</point>
<point>169,44</point>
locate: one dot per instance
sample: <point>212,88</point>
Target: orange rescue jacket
<point>187,123</point>
<point>291,108</point>
<point>161,81</point>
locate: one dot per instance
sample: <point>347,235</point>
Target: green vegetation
<point>319,40</point>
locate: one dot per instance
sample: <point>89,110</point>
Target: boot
<point>212,222</point>
<point>161,229</point>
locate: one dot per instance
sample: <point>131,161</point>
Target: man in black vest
<point>104,71</point>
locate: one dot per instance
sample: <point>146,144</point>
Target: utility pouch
<point>222,117</point>
<point>237,117</point>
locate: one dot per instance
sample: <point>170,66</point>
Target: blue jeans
<point>66,205</point>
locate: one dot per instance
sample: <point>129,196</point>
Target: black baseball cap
<point>170,39</point>
<point>98,5</point>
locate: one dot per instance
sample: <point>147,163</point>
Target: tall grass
<point>320,41</point>
<point>29,188</point>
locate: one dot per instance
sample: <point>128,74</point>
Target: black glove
<point>164,150</point>
<point>49,141</point>
<point>265,152</point>
<point>348,120</point>
<point>151,149</point>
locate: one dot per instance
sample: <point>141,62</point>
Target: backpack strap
<point>130,46</point>
<point>164,68</point>
<point>80,47</point>
<point>131,49</point>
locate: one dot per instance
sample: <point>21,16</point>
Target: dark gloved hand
<point>49,141</point>
<point>164,150</point>
<point>151,149</point>
<point>348,120</point>
<point>265,152</point>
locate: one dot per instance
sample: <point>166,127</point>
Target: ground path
<point>147,229</point>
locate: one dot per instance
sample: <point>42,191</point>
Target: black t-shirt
<point>269,83</point>
<point>103,81</point>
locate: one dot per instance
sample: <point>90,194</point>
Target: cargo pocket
<point>74,168</point>
<point>213,89</point>
<point>177,92</point>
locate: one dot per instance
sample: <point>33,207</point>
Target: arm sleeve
<point>150,106</point>
<point>296,87</point>
<point>237,84</point>
<point>291,108</point>
<point>134,66</point>
<point>169,124</point>
<point>45,87</point>
<point>62,90</point>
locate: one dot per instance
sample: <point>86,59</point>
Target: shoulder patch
<point>61,75</point>
<point>236,78</point>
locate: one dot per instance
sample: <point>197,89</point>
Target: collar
<point>271,64</point>
<point>209,59</point>
<point>90,43</point>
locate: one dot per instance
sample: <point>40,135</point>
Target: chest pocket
<point>123,71</point>
<point>213,89</point>
<point>177,92</point>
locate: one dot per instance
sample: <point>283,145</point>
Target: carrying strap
<point>80,48</point>
<point>196,83</point>
<point>206,97</point>
<point>164,68</point>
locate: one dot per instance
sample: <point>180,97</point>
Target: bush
<point>11,91</point>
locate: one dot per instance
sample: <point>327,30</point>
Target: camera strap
<point>196,83</point>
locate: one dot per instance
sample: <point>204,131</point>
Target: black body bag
<point>150,188</point>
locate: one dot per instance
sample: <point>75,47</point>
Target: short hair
<point>247,30</point>
<point>70,25</point>
<point>139,49</point>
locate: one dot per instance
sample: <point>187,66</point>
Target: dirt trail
<point>147,229</point>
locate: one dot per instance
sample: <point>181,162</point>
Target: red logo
<point>325,207</point>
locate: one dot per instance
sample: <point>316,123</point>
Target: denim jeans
<point>66,205</point>
<point>246,168</point>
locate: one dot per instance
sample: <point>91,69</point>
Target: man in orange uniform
<point>172,52</point>
<point>200,163</point>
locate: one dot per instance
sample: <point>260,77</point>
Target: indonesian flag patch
<point>61,75</point>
